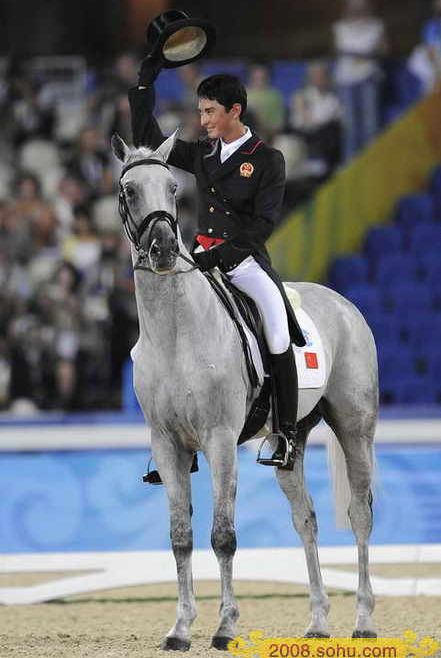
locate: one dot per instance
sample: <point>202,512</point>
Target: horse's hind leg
<point>222,457</point>
<point>303,516</point>
<point>174,467</point>
<point>355,428</point>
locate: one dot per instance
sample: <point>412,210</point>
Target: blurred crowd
<point>67,309</point>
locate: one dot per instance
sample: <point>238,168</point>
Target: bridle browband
<point>134,232</point>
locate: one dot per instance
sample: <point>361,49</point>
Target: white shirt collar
<point>228,149</point>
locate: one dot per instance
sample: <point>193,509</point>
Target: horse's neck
<point>175,303</point>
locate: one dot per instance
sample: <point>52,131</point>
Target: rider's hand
<point>206,259</point>
<point>149,70</point>
<point>231,255</point>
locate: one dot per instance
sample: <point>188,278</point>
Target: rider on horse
<point>240,183</point>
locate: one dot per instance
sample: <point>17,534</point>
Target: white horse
<point>191,380</point>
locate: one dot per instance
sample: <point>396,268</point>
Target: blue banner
<point>95,501</point>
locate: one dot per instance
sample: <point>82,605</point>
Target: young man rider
<point>240,182</point>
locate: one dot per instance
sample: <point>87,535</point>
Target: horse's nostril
<point>155,249</point>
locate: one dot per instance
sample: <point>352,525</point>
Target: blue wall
<point>95,500</point>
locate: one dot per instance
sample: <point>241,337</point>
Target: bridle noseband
<point>134,232</point>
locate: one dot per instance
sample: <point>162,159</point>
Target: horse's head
<point>147,203</point>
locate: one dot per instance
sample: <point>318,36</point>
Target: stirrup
<point>153,477</point>
<point>271,461</point>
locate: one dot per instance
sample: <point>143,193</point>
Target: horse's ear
<point>119,147</point>
<point>163,152</point>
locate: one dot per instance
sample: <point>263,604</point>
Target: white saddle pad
<point>310,359</point>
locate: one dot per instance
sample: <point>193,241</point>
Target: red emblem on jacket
<point>246,169</point>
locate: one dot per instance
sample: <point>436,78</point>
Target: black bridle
<point>134,232</point>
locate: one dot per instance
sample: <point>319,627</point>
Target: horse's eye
<point>174,187</point>
<point>130,192</point>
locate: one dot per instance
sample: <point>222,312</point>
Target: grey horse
<point>191,381</point>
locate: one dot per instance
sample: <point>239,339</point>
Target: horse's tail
<point>340,482</point>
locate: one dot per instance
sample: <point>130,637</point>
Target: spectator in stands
<point>265,102</point>
<point>71,193</point>
<point>90,163</point>
<point>25,360</point>
<point>32,117</point>
<point>425,60</point>
<point>124,318</point>
<point>27,193</point>
<point>106,103</point>
<point>82,248</point>
<point>15,252</point>
<point>315,116</point>
<point>66,319</point>
<point>360,43</point>
<point>28,216</point>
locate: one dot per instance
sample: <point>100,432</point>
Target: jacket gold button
<point>212,190</point>
<point>227,212</point>
<point>211,209</point>
<point>210,230</point>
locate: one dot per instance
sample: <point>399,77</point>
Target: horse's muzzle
<point>163,256</point>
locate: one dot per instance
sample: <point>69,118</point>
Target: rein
<point>134,233</point>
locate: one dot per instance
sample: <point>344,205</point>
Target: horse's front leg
<point>174,468</point>
<point>222,457</point>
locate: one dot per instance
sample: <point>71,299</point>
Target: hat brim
<point>177,25</point>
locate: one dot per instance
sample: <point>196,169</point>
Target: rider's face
<point>216,119</point>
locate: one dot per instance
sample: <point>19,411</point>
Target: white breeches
<point>255,282</point>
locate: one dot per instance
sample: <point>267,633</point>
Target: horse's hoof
<point>367,634</point>
<point>175,644</point>
<point>220,642</point>
<point>317,634</point>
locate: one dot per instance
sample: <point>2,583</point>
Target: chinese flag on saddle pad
<point>311,360</point>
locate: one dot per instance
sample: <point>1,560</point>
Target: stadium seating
<point>348,271</point>
<point>396,283</point>
<point>383,240</point>
<point>414,208</point>
<point>424,239</point>
<point>394,268</point>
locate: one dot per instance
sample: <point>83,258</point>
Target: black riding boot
<point>284,371</point>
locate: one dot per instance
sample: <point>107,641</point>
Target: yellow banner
<point>360,195</point>
<point>337,647</point>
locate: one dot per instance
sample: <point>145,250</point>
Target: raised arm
<point>145,128</point>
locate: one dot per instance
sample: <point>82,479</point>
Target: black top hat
<point>179,39</point>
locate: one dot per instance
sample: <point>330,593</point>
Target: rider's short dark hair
<point>225,89</point>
